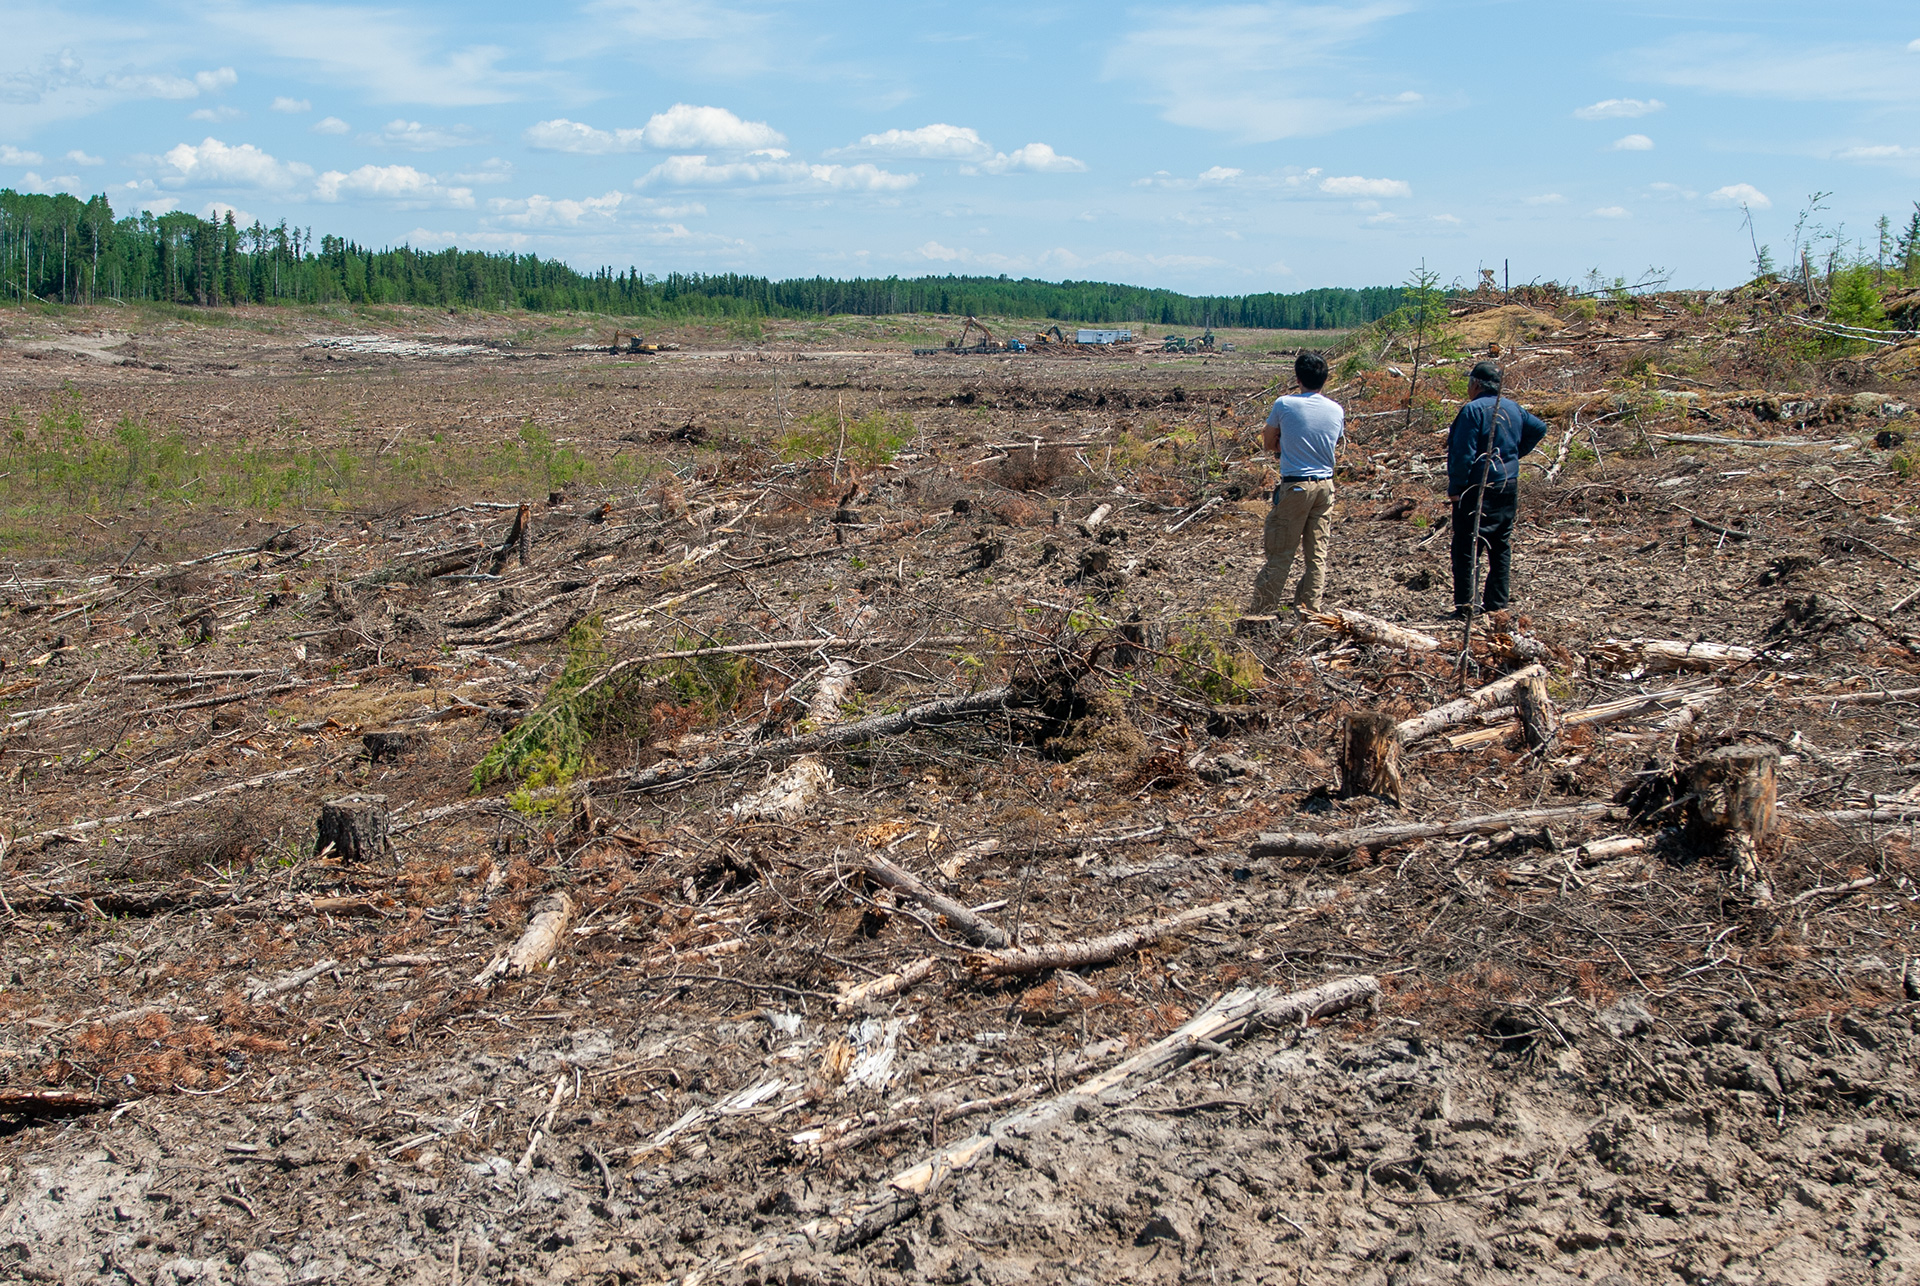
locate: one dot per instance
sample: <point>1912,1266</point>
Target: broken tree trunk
<point>1660,656</point>
<point>545,927</point>
<point>1539,721</point>
<point>901,1196</point>
<point>927,714</point>
<point>889,984</point>
<point>17,1102</point>
<point>1340,843</point>
<point>391,747</point>
<point>1732,808</point>
<point>788,793</point>
<point>1498,693</point>
<point>1093,951</point>
<point>1370,756</point>
<point>1371,629</point>
<point>354,827</point>
<point>520,539</point>
<point>976,930</point>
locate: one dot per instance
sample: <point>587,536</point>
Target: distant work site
<point>513,797</point>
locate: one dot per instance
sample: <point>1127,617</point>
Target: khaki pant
<point>1302,514</point>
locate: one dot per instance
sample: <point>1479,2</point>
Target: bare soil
<point>1649,1068</point>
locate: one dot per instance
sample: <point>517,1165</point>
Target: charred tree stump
<point>1370,756</point>
<point>1539,720</point>
<point>355,826</point>
<point>1732,808</point>
<point>391,747</point>
<point>519,539</point>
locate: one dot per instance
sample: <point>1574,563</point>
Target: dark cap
<point>1486,375</point>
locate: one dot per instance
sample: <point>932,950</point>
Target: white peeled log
<point>1371,629</point>
<point>1663,656</point>
<point>834,687</point>
<point>546,926</point>
<point>788,793</point>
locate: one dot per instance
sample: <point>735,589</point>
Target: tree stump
<point>1732,808</point>
<point>355,825</point>
<point>391,747</point>
<point>1539,721</point>
<point>1369,756</point>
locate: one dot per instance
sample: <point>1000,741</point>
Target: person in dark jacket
<point>1488,437</point>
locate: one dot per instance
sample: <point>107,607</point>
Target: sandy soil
<point>1646,1067</point>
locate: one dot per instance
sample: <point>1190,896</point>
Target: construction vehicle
<point>985,344</point>
<point>1051,338</point>
<point>629,341</point>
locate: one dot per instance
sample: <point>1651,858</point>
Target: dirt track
<point>1629,1069</point>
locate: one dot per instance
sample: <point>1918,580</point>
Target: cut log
<point>1599,850</point>
<point>852,995</point>
<point>546,926</point>
<point>73,832</point>
<point>1094,951</point>
<point>1733,804</point>
<point>353,827</point>
<point>787,795</point>
<point>976,930</point>
<point>834,687</point>
<point>1670,702</point>
<point>901,1196</point>
<point>1498,693</point>
<point>1370,756</point>
<point>291,982</point>
<point>1340,843</point>
<point>1371,629</point>
<point>1539,721</point>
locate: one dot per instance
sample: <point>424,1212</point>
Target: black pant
<point>1496,537</point>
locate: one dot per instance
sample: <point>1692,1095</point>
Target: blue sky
<point>1204,147</point>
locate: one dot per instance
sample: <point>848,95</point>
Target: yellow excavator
<point>630,341</point>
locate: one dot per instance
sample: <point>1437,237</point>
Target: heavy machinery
<point>630,341</point>
<point>1051,337</point>
<point>985,344</point>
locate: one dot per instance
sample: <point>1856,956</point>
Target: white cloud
<point>1608,109</point>
<point>944,254</point>
<point>680,127</point>
<point>1261,71</point>
<point>1545,198</point>
<point>1913,46</point>
<point>685,126</point>
<point>1793,69</point>
<point>1612,212</point>
<point>215,115</point>
<point>1631,143</point>
<point>79,157</point>
<point>1741,194</point>
<point>10,155</point>
<point>212,82</point>
<point>1220,174</point>
<point>697,171</point>
<point>1038,158</point>
<point>292,106</point>
<point>390,183</point>
<point>1355,186</point>
<point>215,164</point>
<point>1878,152</point>
<point>415,137</point>
<point>151,86</point>
<point>929,142</point>
<point>217,211</point>
<point>541,211</point>
<point>331,125</point>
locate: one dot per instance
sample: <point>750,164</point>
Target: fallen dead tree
<point>1094,951</point>
<point>1340,843</point>
<point>1662,656</point>
<point>1492,696</point>
<point>900,1197</point>
<point>974,928</point>
<point>928,714</point>
<point>78,829</point>
<point>546,926</point>
<point>19,1102</point>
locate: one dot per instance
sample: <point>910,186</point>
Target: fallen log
<point>1660,656</point>
<point>1371,629</point>
<point>900,1197</point>
<point>928,714</point>
<point>160,810</point>
<point>1673,699</point>
<point>889,984</point>
<point>1340,843</point>
<point>788,793</point>
<point>1093,951</point>
<point>1498,693</point>
<point>291,982</point>
<point>1856,698</point>
<point>19,1102</point>
<point>979,931</point>
<point>546,926</point>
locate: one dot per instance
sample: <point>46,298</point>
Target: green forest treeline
<point>59,248</point>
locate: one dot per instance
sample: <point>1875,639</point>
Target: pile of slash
<point>807,870</point>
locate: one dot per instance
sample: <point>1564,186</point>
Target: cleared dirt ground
<point>1585,1064</point>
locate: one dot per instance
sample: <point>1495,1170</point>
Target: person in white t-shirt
<point>1302,429</point>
